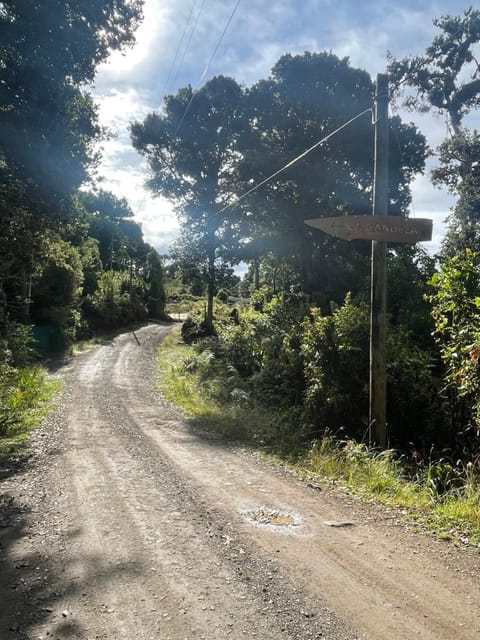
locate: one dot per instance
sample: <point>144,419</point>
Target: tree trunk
<point>210,290</point>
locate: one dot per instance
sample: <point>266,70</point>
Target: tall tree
<point>446,79</point>
<point>191,150</point>
<point>49,50</point>
<point>121,248</point>
<point>307,97</point>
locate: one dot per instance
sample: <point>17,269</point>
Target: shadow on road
<point>35,587</point>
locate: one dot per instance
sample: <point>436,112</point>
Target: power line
<point>295,160</point>
<point>169,83</point>
<point>187,45</point>
<point>207,67</point>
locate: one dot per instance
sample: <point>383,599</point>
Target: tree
<point>460,171</point>
<point>191,151</point>
<point>456,313</point>
<point>409,269</point>
<point>446,79</point>
<point>48,50</point>
<point>209,145</point>
<point>56,294</point>
<point>106,203</point>
<point>110,222</point>
<point>306,98</point>
<point>121,248</point>
<point>155,293</point>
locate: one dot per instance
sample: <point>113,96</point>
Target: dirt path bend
<point>127,523</point>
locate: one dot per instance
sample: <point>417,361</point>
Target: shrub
<point>118,301</point>
<point>456,313</point>
<point>335,353</point>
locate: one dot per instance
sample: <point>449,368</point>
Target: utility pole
<point>379,229</point>
<point>378,320</point>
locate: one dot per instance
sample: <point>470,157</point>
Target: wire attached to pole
<point>295,160</point>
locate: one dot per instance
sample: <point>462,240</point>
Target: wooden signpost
<point>380,229</point>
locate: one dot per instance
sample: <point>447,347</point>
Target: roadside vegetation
<point>286,380</point>
<point>285,366</point>
<point>279,357</point>
<point>73,261</point>
<point>26,392</point>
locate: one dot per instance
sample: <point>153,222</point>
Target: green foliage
<point>191,157</point>
<point>335,351</point>
<point>57,292</point>
<point>211,390</point>
<point>446,78</point>
<point>304,95</point>
<point>336,361</point>
<point>49,251</point>
<point>315,367</point>
<point>409,268</point>
<point>106,204</point>
<point>24,396</point>
<point>456,313</point>
<point>17,344</point>
<point>265,347</point>
<point>117,301</point>
<point>411,391</point>
<point>439,496</point>
<point>155,290</point>
<point>48,50</point>
<point>20,392</point>
<point>459,171</point>
<point>208,145</point>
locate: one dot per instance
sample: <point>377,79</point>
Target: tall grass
<point>24,399</point>
<point>440,497</point>
<point>213,394</point>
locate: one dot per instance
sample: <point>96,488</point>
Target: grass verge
<point>437,498</point>
<point>25,398</point>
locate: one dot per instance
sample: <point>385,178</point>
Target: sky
<point>178,44</point>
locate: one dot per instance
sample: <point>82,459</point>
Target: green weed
<point>439,497</point>
<point>25,395</point>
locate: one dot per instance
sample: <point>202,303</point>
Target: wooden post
<point>378,322</point>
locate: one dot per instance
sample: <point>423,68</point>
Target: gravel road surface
<point>127,522</point>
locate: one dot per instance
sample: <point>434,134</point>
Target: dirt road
<point>129,523</point>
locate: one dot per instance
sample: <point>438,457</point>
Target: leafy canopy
<point>446,77</point>
<point>306,98</point>
<point>48,50</point>
<point>191,152</point>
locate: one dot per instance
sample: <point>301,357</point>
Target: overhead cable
<point>207,66</point>
<point>297,159</point>
<point>168,83</point>
<point>187,45</point>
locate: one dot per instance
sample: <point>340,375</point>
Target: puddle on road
<point>273,519</point>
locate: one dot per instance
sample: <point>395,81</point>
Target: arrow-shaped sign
<point>381,228</point>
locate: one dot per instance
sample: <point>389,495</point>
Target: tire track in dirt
<point>347,567</point>
<point>142,528</point>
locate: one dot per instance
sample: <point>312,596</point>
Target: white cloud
<point>152,29</point>
<point>130,86</point>
<point>156,215</point>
